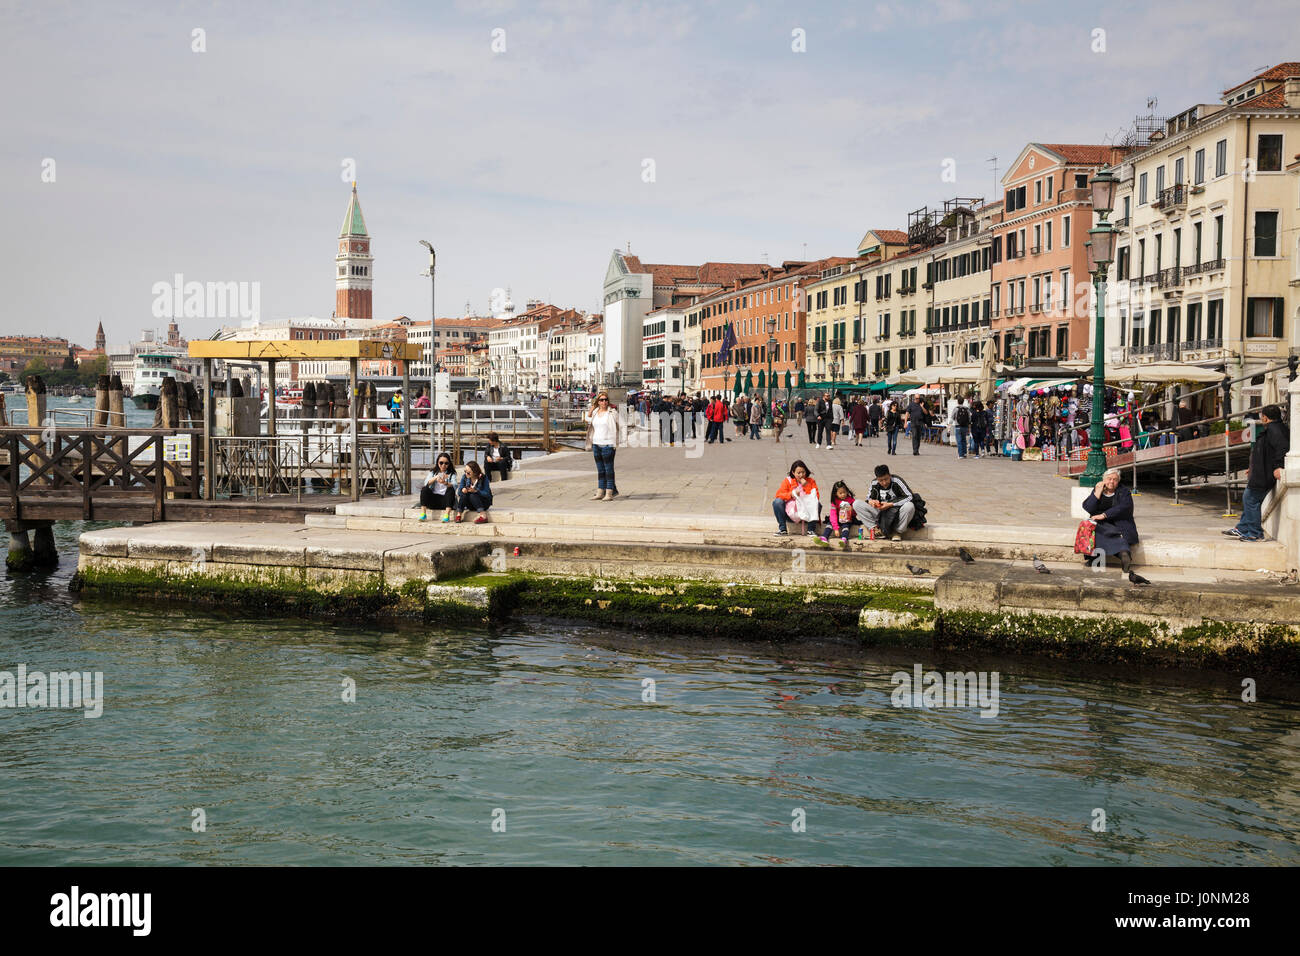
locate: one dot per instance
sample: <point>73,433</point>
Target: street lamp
<point>433,318</point>
<point>771,350</point>
<point>1101,250</point>
<point>514,375</point>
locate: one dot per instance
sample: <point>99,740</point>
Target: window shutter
<point>1278,306</point>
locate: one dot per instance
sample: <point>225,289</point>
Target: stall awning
<point>954,375</point>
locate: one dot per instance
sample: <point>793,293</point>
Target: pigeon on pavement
<point>916,570</point>
<point>965,556</point>
<point>1135,578</point>
<point>1040,567</point>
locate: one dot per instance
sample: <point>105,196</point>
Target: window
<point>1264,318</point>
<point>1065,233</point>
<point>1062,339</point>
<point>1265,234</point>
<point>1221,158</point>
<point>1178,171</point>
<point>1142,189</point>
<point>1270,153</point>
<point>1038,289</point>
<point>1122,263</point>
<point>1193,322</point>
<point>1038,239</point>
<point>1160,248</point>
<point>1139,324</point>
<point>1198,167</point>
<point>1153,324</point>
<point>1218,237</point>
<point>1214,319</point>
<point>1049,235</point>
<point>1196,241</point>
<point>1178,248</point>
<point>1080,180</point>
<point>1038,191</point>
<point>1160,179</point>
<point>1049,186</point>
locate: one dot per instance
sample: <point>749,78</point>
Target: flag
<point>728,342</point>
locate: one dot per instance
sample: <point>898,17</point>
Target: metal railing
<point>1169,277</point>
<point>260,466</point>
<point>1172,197</point>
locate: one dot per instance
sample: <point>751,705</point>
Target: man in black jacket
<point>497,457</point>
<point>1267,459</point>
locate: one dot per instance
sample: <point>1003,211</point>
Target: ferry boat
<point>149,371</point>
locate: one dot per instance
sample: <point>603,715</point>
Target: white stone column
<point>1288,531</point>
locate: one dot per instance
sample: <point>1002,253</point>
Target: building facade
<point>1207,262</point>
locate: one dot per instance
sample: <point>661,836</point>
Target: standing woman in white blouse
<point>602,438</point>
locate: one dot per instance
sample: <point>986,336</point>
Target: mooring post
<point>169,407</point>
<point>100,419</point>
<point>406,426</point>
<point>117,419</point>
<point>35,414</point>
<point>4,415</point>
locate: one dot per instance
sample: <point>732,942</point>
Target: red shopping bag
<point>1085,538</point>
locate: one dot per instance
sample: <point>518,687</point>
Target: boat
<point>149,371</point>
<point>74,399</point>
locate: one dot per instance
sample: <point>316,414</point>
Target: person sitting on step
<point>475,492</point>
<point>888,508</point>
<point>498,456</point>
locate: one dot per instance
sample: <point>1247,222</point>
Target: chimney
<point>1292,94</point>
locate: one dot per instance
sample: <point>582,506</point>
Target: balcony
<point>1122,222</point>
<point>884,296</point>
<point>1035,250</point>
<point>819,347</point>
<point>837,345</point>
<point>1214,265</point>
<point>1168,278</point>
<point>1172,199</point>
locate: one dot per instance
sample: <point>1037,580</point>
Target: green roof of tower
<point>353,222</point>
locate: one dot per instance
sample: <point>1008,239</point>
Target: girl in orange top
<point>798,482</point>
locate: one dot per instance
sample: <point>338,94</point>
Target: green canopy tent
<point>762,379</point>
<point>749,381</point>
<point>802,382</point>
<point>735,389</point>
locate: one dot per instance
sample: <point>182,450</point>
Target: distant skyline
<point>515,137</point>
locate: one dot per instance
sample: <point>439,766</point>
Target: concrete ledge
<point>260,554</point>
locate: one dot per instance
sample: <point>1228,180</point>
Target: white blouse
<point>603,427</point>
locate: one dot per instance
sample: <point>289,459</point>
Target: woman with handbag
<point>797,500</point>
<point>1110,508</point>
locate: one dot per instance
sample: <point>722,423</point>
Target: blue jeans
<point>1251,525</point>
<point>473,499</point>
<point>604,455</point>
<point>892,437</point>
<point>963,437</point>
<point>753,430</point>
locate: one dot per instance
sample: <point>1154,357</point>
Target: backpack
<point>962,417</point>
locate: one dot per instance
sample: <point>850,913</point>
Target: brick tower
<point>355,277</point>
<point>99,337</point>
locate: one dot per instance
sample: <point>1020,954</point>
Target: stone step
<point>624,569</point>
<point>1000,542</point>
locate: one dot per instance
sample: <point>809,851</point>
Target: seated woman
<point>498,456</point>
<point>798,484</point>
<point>439,489</point>
<point>1110,506</point>
<point>473,492</point>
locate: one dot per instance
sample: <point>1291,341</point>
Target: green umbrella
<point>787,380</point>
<point>749,380</point>
<point>762,380</point>
<point>735,389</point>
<point>802,382</point>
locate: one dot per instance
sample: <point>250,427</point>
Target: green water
<point>245,719</point>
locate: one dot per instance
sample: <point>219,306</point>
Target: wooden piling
<point>44,552</point>
<point>117,418</point>
<point>35,411</point>
<point>4,414</point>
<point>100,418</point>
<point>169,413</point>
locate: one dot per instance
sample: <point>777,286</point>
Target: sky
<point>526,141</point>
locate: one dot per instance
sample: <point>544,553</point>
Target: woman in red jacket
<point>797,484</point>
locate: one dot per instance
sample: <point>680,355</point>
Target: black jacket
<point>1271,446</point>
<point>1119,516</point>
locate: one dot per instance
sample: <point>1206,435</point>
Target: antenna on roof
<point>765,258</point>
<point>993,161</point>
<point>1152,102</point>
<point>805,252</point>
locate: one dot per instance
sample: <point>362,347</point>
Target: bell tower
<point>355,265</point>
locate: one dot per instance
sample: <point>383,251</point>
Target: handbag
<point>1085,538</point>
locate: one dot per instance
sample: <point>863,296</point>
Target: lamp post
<point>1100,251</point>
<point>771,350</point>
<point>433,318</point>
